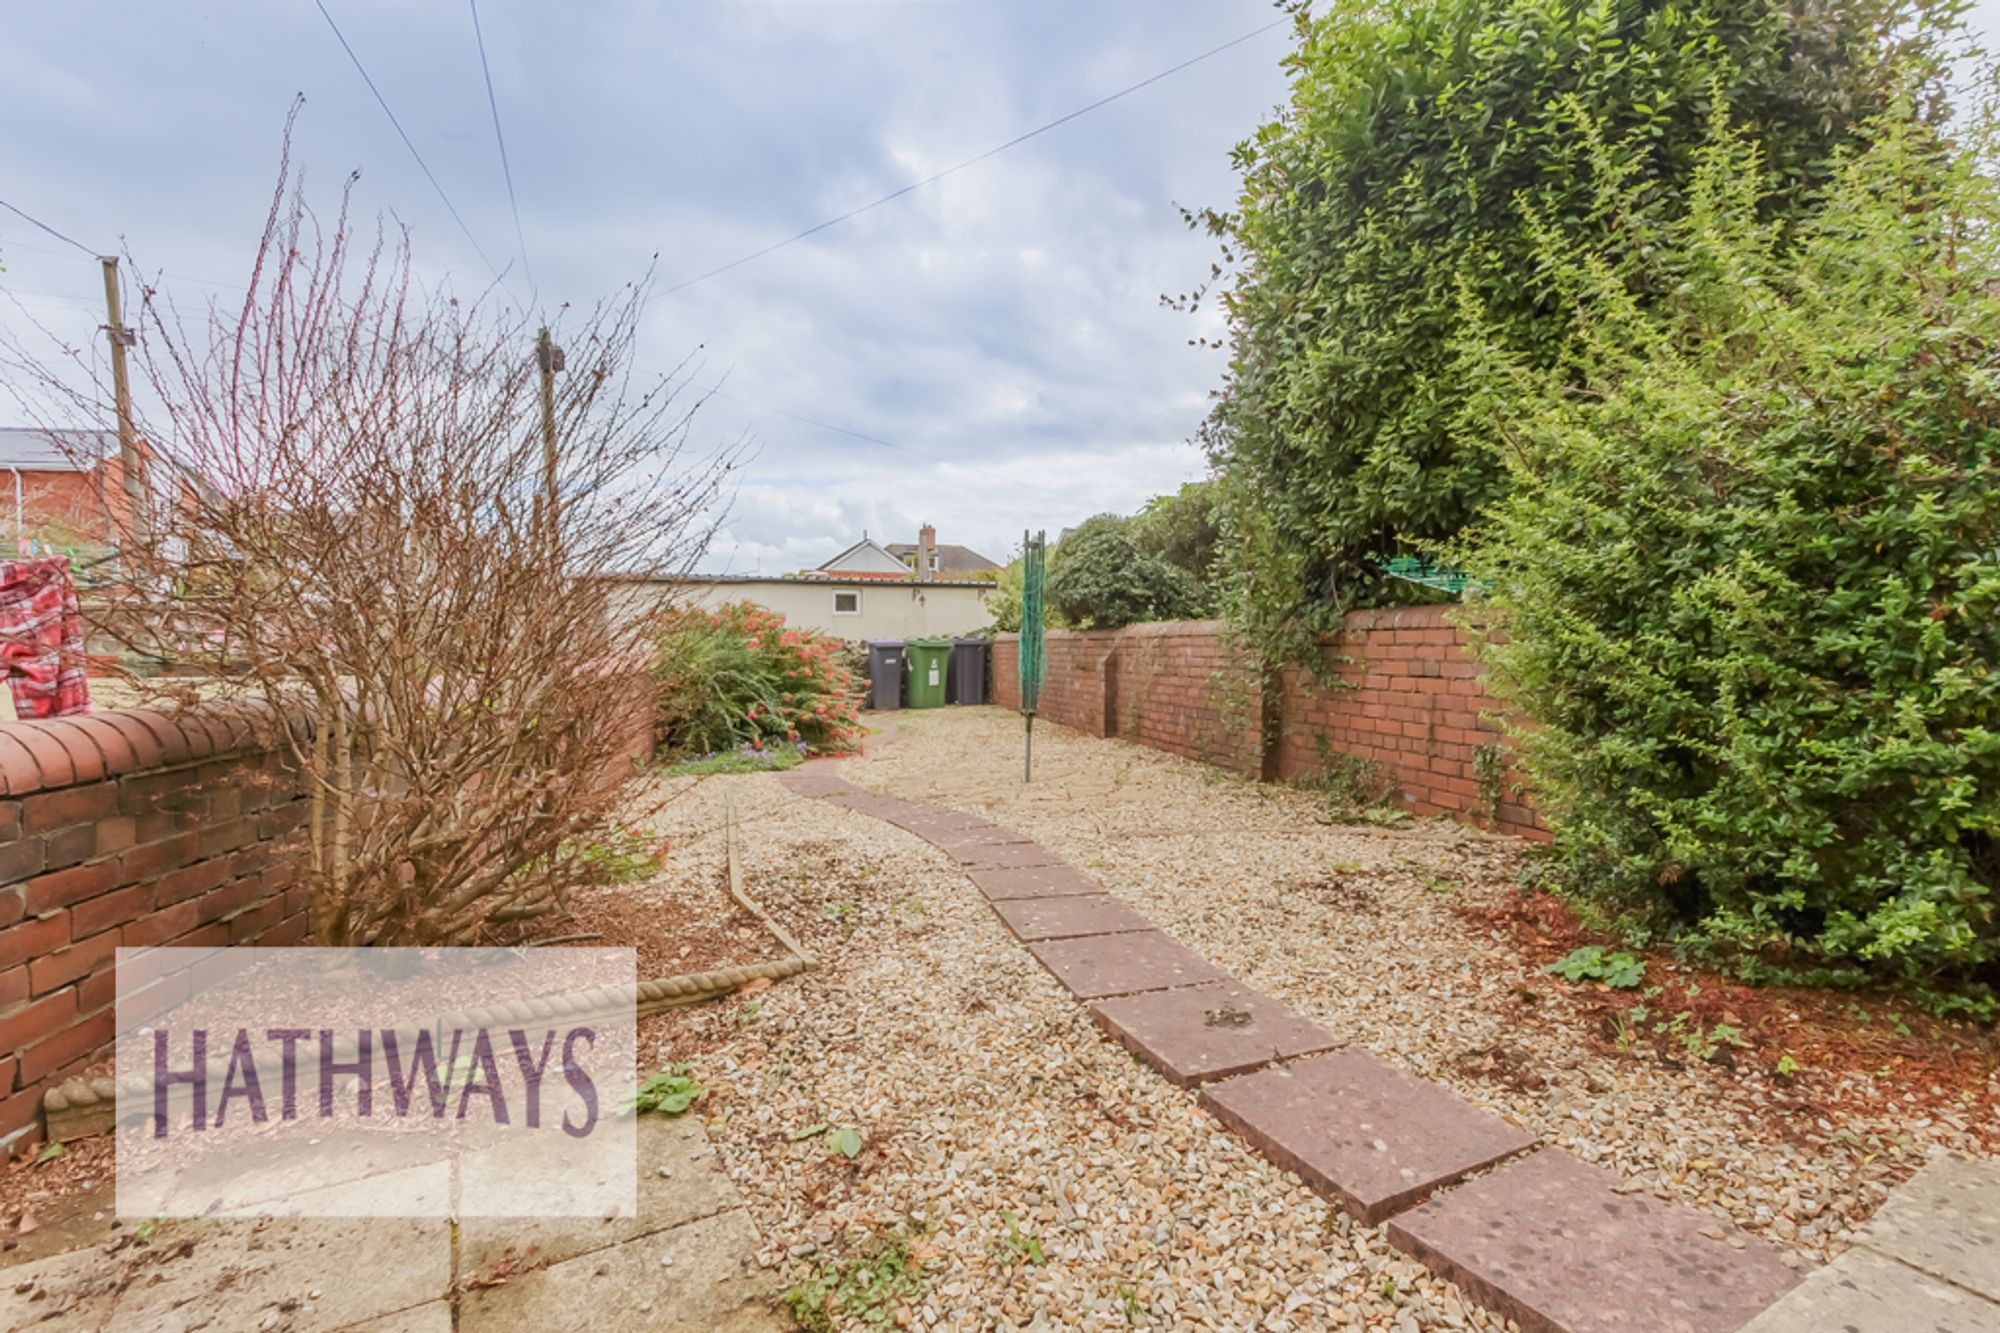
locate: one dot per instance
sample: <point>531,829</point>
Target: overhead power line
<point>878,440</point>
<point>994,151</point>
<point>500,137</point>
<point>37,222</point>
<point>429,175</point>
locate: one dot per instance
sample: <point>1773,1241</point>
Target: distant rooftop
<point>32,449</point>
<point>951,559</point>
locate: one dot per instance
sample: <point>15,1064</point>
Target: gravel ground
<point>1029,1172</point>
<point>1367,930</point>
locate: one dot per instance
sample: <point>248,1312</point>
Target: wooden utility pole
<point>121,390</point>
<point>550,358</point>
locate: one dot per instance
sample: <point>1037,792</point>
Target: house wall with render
<point>885,608</point>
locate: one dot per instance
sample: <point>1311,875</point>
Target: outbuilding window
<point>847,603</point>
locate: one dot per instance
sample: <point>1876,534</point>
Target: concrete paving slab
<point>1866,1291</point>
<point>1357,1128</point>
<point>698,1277</point>
<point>1945,1220</point>
<point>1549,1241</point>
<point>1204,1032</point>
<point>693,1186</point>
<point>1002,855</point>
<point>1097,966</point>
<point>431,1317</point>
<point>316,1273</point>
<point>74,1290</point>
<point>1064,918</point>
<point>1003,884</point>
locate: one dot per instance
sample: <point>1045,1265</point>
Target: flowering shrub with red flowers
<point>735,677</point>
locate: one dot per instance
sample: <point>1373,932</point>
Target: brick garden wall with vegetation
<point>1399,705</point>
<point>130,828</point>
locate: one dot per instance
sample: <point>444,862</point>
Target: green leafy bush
<point>1004,603</point>
<point>1182,529</point>
<point>1100,579</point>
<point>735,677</point>
<point>1748,569</point>
<point>1394,178</point>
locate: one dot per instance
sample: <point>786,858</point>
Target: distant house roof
<point>867,557</point>
<point>813,577</point>
<point>32,449</point>
<point>951,559</point>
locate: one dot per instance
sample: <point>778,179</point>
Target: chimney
<point>926,547</point>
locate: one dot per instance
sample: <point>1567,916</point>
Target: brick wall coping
<point>1386,617</point>
<point>61,752</point>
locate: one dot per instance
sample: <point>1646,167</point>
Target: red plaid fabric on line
<point>41,638</point>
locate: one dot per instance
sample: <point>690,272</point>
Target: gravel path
<point>1364,930</point>
<point>1031,1173</point>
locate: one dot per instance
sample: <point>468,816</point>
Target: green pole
<point>1033,647</point>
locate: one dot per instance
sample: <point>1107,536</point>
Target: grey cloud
<point>1002,323</point>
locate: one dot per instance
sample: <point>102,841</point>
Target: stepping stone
<point>1099,965</point>
<point>808,782</point>
<point>1001,855</point>
<point>927,819</point>
<point>1204,1032</point>
<point>979,835</point>
<point>1550,1242</point>
<point>1864,1290</point>
<point>1063,918</point>
<point>1946,1221</point>
<point>1010,883</point>
<point>1361,1130</point>
<point>868,802</point>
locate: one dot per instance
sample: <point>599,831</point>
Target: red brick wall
<point>130,829</point>
<point>1409,702</point>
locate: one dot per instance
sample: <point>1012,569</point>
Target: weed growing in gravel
<point>669,1092</point>
<point>1355,790</point>
<point>1016,1245</point>
<point>625,857</point>
<point>1592,962</point>
<point>867,1289</point>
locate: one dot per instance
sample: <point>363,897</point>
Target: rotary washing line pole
<point>1033,648</point>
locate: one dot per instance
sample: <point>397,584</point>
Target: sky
<point>999,333</point>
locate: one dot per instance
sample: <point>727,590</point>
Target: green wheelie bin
<point>925,663</point>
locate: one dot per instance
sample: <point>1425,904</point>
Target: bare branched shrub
<point>349,523</point>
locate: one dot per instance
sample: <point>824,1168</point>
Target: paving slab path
<point>686,1262</point>
<point>1532,1232</point>
<point>1927,1262</point>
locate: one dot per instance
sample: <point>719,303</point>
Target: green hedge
<point>1748,566</point>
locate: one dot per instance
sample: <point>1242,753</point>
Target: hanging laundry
<point>41,638</point>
